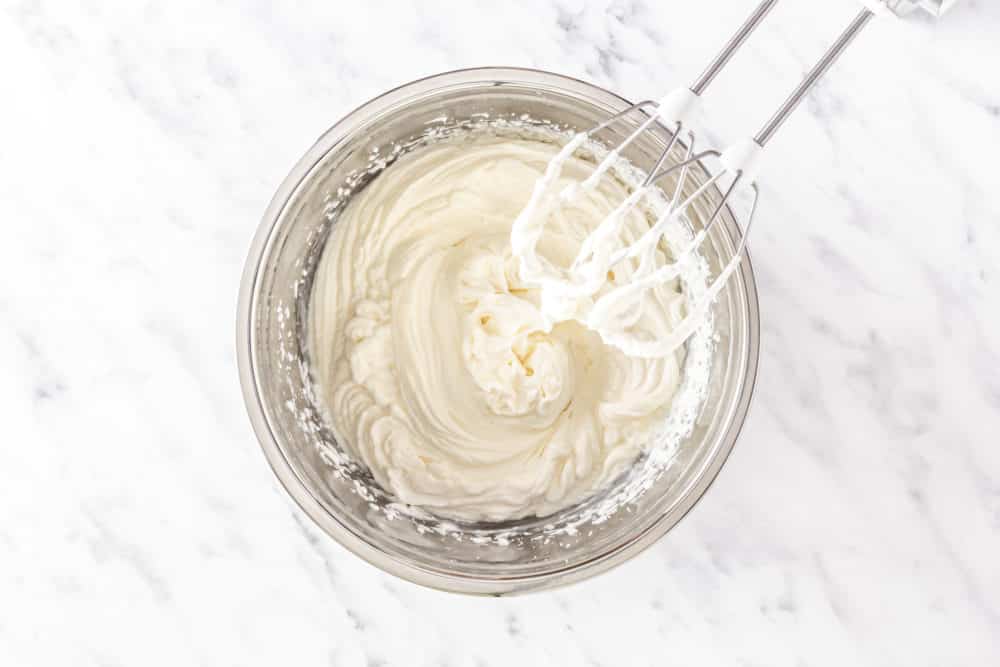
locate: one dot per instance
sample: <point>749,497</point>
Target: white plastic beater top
<point>901,7</point>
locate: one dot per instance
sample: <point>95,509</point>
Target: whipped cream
<point>441,367</point>
<point>584,291</point>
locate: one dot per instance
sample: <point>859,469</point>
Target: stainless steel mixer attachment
<point>614,311</point>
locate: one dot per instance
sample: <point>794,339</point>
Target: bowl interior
<point>341,496</point>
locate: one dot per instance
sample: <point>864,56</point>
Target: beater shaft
<point>814,75</point>
<point>732,46</point>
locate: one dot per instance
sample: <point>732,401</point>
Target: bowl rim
<point>299,491</point>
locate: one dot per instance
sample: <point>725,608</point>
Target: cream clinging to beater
<point>572,293</point>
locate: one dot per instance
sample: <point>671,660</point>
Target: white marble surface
<point>857,522</point>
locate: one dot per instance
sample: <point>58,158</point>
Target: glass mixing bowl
<point>341,497</point>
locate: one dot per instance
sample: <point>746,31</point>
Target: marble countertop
<point>856,523</point>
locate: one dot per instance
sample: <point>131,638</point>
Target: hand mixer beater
<point>613,311</point>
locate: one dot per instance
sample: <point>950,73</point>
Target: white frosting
<point>617,310</point>
<point>439,367</point>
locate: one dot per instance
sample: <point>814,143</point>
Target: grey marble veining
<point>857,522</point>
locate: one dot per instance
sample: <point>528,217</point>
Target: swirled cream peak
<point>439,367</point>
